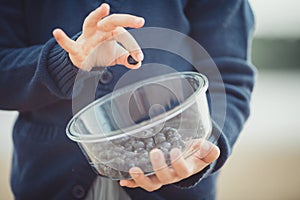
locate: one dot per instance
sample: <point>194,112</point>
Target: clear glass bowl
<point>117,131</point>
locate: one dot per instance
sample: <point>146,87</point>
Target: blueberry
<point>118,163</point>
<point>178,144</point>
<point>170,132</point>
<point>173,139</point>
<point>124,175</point>
<point>159,139</point>
<point>131,60</point>
<point>143,163</point>
<point>129,155</point>
<point>177,135</point>
<point>143,152</point>
<point>149,132</point>
<point>103,155</point>
<point>129,145</point>
<point>148,140</point>
<point>139,150</point>
<point>127,152</point>
<point>138,145</point>
<point>165,145</point>
<point>161,134</point>
<point>112,154</point>
<point>129,163</point>
<point>129,148</point>
<point>113,173</point>
<point>164,150</point>
<point>143,155</point>
<point>150,146</point>
<point>119,149</point>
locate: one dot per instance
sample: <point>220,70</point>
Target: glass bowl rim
<point>145,124</point>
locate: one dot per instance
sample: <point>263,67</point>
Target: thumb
<point>64,41</point>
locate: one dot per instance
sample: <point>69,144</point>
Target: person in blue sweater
<point>39,65</point>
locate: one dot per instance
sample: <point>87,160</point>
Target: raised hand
<point>104,40</point>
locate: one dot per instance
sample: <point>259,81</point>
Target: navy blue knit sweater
<point>36,79</point>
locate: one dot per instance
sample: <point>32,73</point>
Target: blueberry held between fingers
<point>131,60</point>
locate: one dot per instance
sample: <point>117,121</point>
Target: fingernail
<point>135,175</point>
<point>206,146</point>
<point>155,155</point>
<point>135,172</point>
<point>139,20</point>
<point>105,4</point>
<point>123,183</point>
<point>140,56</point>
<point>175,153</point>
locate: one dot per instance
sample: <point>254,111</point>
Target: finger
<point>111,54</point>
<point>164,174</point>
<point>205,151</point>
<point>179,164</point>
<point>64,41</point>
<point>95,16</point>
<point>121,56</point>
<point>111,22</point>
<point>148,183</point>
<point>128,183</point>
<point>129,43</point>
<point>205,155</point>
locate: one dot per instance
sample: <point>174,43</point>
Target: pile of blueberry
<point>116,158</point>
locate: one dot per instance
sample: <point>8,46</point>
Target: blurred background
<point>266,159</point>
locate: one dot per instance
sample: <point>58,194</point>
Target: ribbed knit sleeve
<point>38,76</point>
<point>55,61</point>
<point>61,69</point>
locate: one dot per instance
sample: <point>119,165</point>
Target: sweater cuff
<point>62,70</point>
<point>217,135</point>
<point>56,63</point>
<point>193,180</point>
